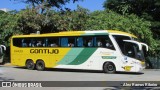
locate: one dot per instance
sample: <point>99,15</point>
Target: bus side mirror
<point>4,47</point>
<point>143,44</point>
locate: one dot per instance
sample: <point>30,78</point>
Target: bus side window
<point>53,42</point>
<point>88,41</point>
<point>24,43</point>
<point>79,41</point>
<point>71,41</point>
<point>104,41</point>
<point>99,43</point>
<point>109,44</point>
<point>17,42</point>
<point>64,42</point>
<point>32,43</point>
<point>39,43</point>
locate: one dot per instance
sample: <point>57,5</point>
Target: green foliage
<point>129,23</point>
<point>71,20</point>
<point>8,26</point>
<point>29,21</point>
<point>146,9</point>
<point>137,7</point>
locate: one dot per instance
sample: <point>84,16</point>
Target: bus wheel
<point>109,67</point>
<point>30,64</point>
<point>40,66</point>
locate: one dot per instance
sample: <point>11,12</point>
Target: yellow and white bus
<point>105,50</point>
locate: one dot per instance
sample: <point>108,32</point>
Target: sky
<point>92,5</point>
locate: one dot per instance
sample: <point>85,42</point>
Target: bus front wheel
<point>109,67</point>
<point>40,66</point>
<point>30,64</point>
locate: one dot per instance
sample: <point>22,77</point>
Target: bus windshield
<point>132,50</point>
<point>129,47</point>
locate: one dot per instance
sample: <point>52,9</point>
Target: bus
<point>2,49</point>
<point>106,50</point>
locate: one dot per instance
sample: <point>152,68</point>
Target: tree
<point>71,20</point>
<point>29,21</point>
<point>147,9</point>
<point>8,27</point>
<point>101,20</point>
<point>137,7</point>
<point>45,5</point>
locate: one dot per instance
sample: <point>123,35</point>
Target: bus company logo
<point>6,84</point>
<point>21,84</point>
<point>44,51</point>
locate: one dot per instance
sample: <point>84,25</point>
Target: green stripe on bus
<point>70,56</point>
<point>83,56</point>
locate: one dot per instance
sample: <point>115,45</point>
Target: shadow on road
<point>5,78</point>
<point>73,70</point>
<point>82,71</point>
<point>66,70</point>
<point>131,73</point>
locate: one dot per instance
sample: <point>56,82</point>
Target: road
<point>12,73</point>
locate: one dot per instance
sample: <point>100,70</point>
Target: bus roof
<point>80,33</point>
<point>116,32</point>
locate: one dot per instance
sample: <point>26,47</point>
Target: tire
<point>109,67</point>
<point>40,65</point>
<point>30,64</point>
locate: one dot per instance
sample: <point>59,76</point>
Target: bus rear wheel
<point>40,65</point>
<point>30,64</point>
<point>109,67</point>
